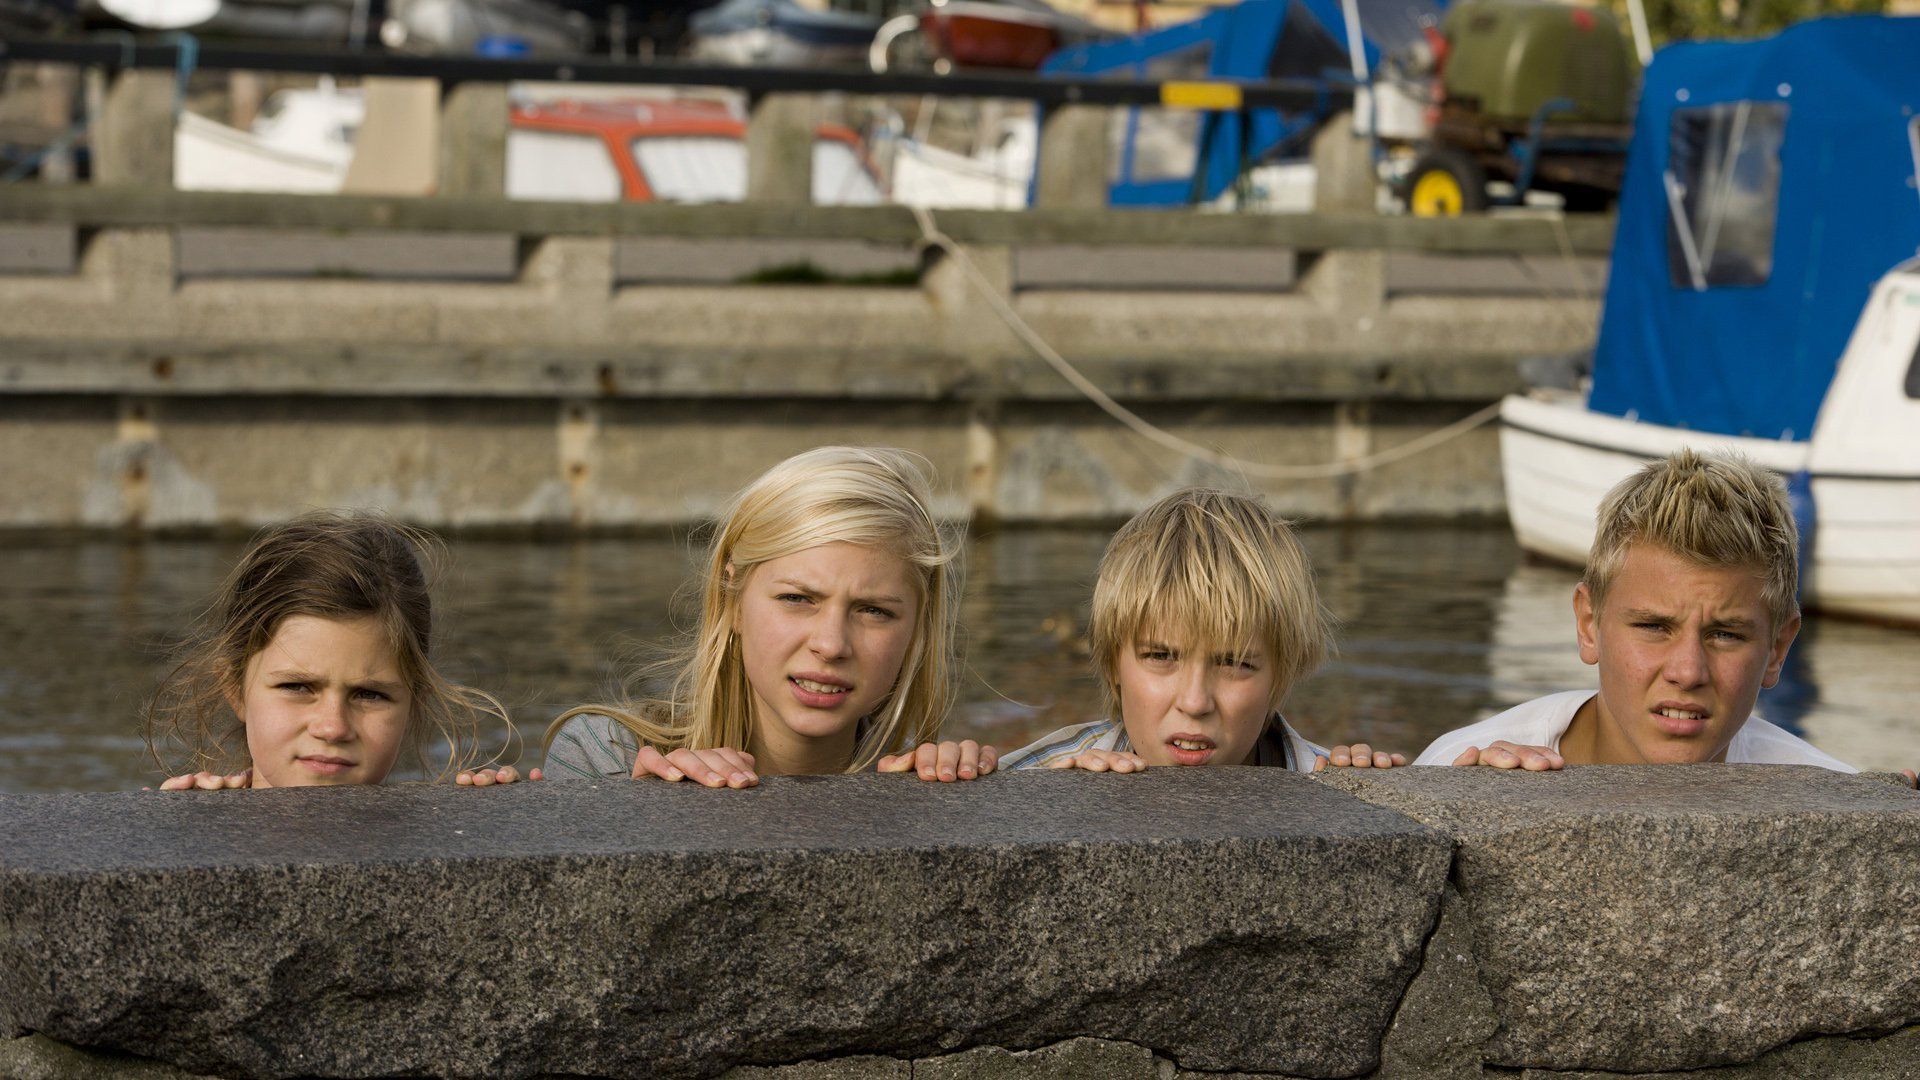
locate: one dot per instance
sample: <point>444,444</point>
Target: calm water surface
<point>1440,626</point>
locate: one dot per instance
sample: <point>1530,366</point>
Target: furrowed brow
<point>1238,656</point>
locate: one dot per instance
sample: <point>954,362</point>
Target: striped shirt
<point>591,746</point>
<point>1279,745</point>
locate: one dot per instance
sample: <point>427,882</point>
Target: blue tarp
<point>1755,359</point>
<point>1254,40</point>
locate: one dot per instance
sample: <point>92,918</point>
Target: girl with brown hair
<point>313,666</point>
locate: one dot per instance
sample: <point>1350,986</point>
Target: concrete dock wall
<point>182,360</point>
<point>1756,920</point>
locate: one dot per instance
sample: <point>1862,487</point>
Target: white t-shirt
<point>1542,721</point>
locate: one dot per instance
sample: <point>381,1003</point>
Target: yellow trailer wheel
<point>1436,194</point>
<point>1445,183</point>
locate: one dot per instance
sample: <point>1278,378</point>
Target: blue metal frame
<point>1241,40</point>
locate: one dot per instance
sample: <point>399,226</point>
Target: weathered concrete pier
<point>1758,920</point>
<point>173,359</point>
<point>183,359</point>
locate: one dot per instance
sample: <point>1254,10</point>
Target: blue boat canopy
<point>1769,184</point>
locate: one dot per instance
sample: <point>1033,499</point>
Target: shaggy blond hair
<point>833,494</point>
<point>1209,570</point>
<point>1718,510</point>
<point>329,564</point>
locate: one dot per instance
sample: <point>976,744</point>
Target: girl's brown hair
<point>328,564</point>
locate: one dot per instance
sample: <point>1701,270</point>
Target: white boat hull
<point>210,156</point>
<point>1559,459</point>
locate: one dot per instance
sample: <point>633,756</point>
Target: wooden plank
<point>106,207</point>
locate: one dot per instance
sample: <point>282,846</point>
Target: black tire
<point>1440,176</point>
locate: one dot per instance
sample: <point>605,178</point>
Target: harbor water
<point>1439,625</point>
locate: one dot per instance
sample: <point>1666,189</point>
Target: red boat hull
<point>977,40</point>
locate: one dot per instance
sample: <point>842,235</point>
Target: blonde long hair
<point>328,564</point>
<point>873,497</point>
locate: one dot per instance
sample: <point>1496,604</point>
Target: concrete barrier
<point>1756,920</point>
<point>222,361</point>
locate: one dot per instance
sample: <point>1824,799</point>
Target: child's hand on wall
<point>720,767</point>
<point>1358,756</point>
<point>206,781</point>
<point>1102,761</point>
<point>944,761</point>
<point>506,774</point>
<point>1506,755</point>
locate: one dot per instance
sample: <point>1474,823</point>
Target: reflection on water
<point>1439,626</point>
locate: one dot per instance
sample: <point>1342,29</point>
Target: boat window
<point>840,177</point>
<point>1913,140</point>
<point>1723,193</point>
<point>560,165</point>
<point>695,169</point>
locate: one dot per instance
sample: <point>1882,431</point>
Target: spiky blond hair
<point>1716,509</point>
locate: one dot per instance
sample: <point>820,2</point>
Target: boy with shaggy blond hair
<point>1688,608</point>
<point>1204,616</point>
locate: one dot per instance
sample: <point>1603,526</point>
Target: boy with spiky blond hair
<point>1688,609</point>
<point>1204,616</point>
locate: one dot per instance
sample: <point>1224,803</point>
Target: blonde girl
<point>825,640</point>
<point>313,666</point>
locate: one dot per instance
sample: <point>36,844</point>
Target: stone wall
<point>1415,923</point>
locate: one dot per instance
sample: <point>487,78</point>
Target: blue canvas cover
<point>1250,40</point>
<point>1755,358</point>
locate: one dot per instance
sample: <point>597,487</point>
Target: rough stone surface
<point>1446,1017</point>
<point>1658,918</point>
<point>1075,1059</point>
<point>1892,1057</point>
<point>652,929</point>
<point>1888,1057</point>
<point>36,1057</point>
<point>862,1067</point>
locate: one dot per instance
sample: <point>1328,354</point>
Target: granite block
<point>627,928</point>
<point>1646,918</point>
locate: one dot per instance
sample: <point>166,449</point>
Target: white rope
<point>1328,471</point>
<point>1561,302</point>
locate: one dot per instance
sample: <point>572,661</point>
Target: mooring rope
<point>1332,470</point>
